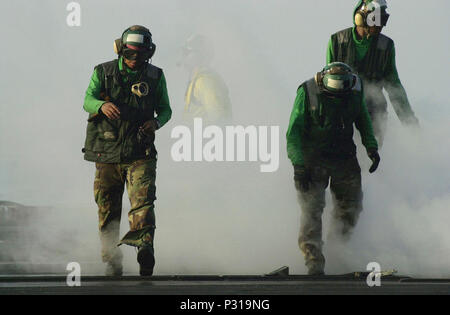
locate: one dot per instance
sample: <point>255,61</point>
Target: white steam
<point>223,218</point>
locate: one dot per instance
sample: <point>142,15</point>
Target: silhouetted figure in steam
<point>321,148</point>
<point>207,94</point>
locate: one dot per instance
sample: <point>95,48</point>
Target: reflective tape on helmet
<point>335,84</point>
<point>135,38</point>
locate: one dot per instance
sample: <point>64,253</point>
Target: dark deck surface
<point>221,285</point>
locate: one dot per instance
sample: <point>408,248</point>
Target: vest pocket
<point>107,136</point>
<point>106,131</point>
<point>93,142</point>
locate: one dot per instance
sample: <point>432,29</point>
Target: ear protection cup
<point>118,46</point>
<point>319,79</point>
<point>118,43</point>
<point>361,14</point>
<point>360,18</point>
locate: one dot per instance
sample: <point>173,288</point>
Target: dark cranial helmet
<point>135,42</point>
<point>337,78</point>
<point>364,14</point>
<point>198,50</point>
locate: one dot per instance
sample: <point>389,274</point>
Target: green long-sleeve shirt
<point>93,101</point>
<point>392,83</point>
<point>306,136</point>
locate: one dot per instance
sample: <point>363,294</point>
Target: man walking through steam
<point>372,55</point>
<point>127,102</point>
<point>321,148</point>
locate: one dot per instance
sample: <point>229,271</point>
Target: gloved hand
<point>149,127</point>
<point>375,157</point>
<point>146,132</point>
<point>302,177</point>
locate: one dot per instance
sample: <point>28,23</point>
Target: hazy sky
<point>228,216</point>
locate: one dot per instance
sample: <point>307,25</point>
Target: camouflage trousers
<point>344,177</point>
<point>110,179</point>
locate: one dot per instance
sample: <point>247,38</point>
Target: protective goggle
<point>136,53</point>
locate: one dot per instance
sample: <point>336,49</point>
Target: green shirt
<point>362,47</point>
<point>93,101</point>
<point>392,83</point>
<point>306,136</point>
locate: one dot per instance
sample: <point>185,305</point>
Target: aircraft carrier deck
<point>235,285</point>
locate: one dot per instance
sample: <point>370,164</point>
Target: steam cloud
<point>223,218</point>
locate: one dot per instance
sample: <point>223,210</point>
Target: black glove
<point>375,157</point>
<point>146,133</point>
<point>302,178</point>
<point>149,127</point>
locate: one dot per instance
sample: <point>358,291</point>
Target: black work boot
<point>146,260</point>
